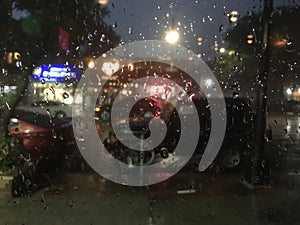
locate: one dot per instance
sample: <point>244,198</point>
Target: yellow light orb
<point>103,2</point>
<point>172,36</point>
<point>233,16</point>
<point>222,50</point>
<point>91,64</point>
<point>110,67</point>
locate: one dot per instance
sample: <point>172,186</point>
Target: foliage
<point>283,25</point>
<point>10,156</point>
<point>36,35</point>
<point>243,66</point>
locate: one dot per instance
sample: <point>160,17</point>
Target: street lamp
<point>233,17</point>
<point>91,64</point>
<point>250,38</point>
<point>103,2</point>
<point>222,50</point>
<point>289,91</point>
<point>109,68</point>
<point>172,36</point>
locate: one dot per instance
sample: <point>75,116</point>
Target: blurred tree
<point>266,60</point>
<point>32,29</point>
<point>241,62</point>
<point>40,22</point>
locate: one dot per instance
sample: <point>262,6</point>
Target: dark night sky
<point>146,20</point>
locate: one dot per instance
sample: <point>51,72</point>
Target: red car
<point>40,135</point>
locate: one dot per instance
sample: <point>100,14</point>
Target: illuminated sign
<point>56,72</point>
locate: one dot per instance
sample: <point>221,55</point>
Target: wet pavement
<point>186,198</point>
<point>209,198</point>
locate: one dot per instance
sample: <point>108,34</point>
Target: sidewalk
<point>90,199</point>
<point>5,186</point>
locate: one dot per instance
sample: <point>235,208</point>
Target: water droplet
<point>27,182</point>
<point>52,90</point>
<point>65,95</point>
<point>61,137</point>
<point>54,135</point>
<point>164,153</point>
<point>49,112</point>
<point>76,189</point>
<point>7,105</point>
<point>68,85</point>
<point>71,204</point>
<point>4,72</point>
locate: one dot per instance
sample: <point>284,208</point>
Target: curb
<point>5,185</point>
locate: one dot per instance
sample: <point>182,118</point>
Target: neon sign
<point>56,72</point>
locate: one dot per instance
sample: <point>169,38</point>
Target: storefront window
<point>149,112</point>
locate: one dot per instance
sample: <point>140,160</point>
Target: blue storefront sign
<point>56,72</point>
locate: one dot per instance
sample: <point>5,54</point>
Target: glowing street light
<point>250,38</point>
<point>216,47</point>
<point>222,50</point>
<point>233,16</point>
<point>199,41</point>
<point>103,2</point>
<point>91,64</point>
<point>110,68</point>
<point>172,36</point>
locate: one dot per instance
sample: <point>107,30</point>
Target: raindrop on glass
<point>65,95</point>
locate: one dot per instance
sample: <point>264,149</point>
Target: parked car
<point>283,118</point>
<point>41,135</point>
<point>47,146</point>
<point>143,109</point>
<point>127,155</point>
<point>139,117</point>
<point>52,108</point>
<point>239,136</point>
<point>38,135</point>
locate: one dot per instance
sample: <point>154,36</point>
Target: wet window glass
<point>149,112</point>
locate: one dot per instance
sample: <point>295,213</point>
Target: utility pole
<point>258,172</point>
